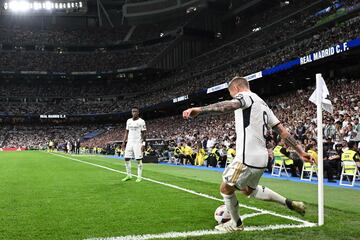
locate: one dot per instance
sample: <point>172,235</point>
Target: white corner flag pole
<point>319,96</point>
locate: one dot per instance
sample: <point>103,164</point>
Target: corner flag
<point>320,98</point>
<point>324,92</point>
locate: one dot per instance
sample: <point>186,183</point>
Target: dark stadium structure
<point>85,68</point>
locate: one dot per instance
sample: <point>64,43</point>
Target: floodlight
<point>37,5</point>
<point>49,5</point>
<point>19,6</point>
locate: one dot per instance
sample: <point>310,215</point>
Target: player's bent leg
<point>128,170</point>
<point>232,205</point>
<point>140,168</point>
<point>266,194</point>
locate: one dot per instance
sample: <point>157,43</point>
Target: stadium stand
<point>168,88</point>
<point>281,34</point>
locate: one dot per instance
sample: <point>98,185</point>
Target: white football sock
<point>267,194</point>
<point>128,167</point>
<point>232,206</point>
<point>140,168</point>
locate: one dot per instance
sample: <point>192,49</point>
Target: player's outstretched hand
<point>191,112</point>
<point>306,157</point>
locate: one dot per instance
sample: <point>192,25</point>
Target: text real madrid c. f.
<point>324,53</point>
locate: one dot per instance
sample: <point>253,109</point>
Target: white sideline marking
<point>199,233</point>
<point>250,215</point>
<point>83,155</point>
<point>203,232</point>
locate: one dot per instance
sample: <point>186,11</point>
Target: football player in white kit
<point>134,140</point>
<point>253,119</point>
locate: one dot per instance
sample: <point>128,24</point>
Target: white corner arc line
<point>192,192</point>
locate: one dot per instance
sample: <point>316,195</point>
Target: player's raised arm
<point>239,101</point>
<point>291,141</point>
<point>223,106</point>
<point>236,87</point>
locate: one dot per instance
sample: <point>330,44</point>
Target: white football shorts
<point>133,151</point>
<point>241,176</point>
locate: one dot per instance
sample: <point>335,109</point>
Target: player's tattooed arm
<point>289,140</point>
<point>223,106</point>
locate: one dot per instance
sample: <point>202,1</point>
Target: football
<point>222,215</point>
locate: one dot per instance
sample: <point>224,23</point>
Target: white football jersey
<point>135,127</point>
<point>252,122</point>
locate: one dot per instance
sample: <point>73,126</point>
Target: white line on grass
<point>199,233</point>
<point>250,215</point>
<point>84,155</point>
<point>261,211</point>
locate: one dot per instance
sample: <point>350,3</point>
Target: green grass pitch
<point>45,196</point>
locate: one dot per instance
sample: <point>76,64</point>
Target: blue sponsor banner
<point>333,50</point>
<point>354,43</point>
<point>281,67</point>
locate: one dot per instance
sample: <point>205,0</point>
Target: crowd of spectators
<point>76,61</point>
<point>38,137</point>
<point>48,49</point>
<point>91,36</point>
<point>22,36</point>
<point>188,80</point>
<point>293,108</point>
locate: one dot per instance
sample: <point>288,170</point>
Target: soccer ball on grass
<point>222,215</point>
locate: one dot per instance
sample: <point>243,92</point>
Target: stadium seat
<point>278,167</point>
<point>308,171</point>
<point>350,172</point>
